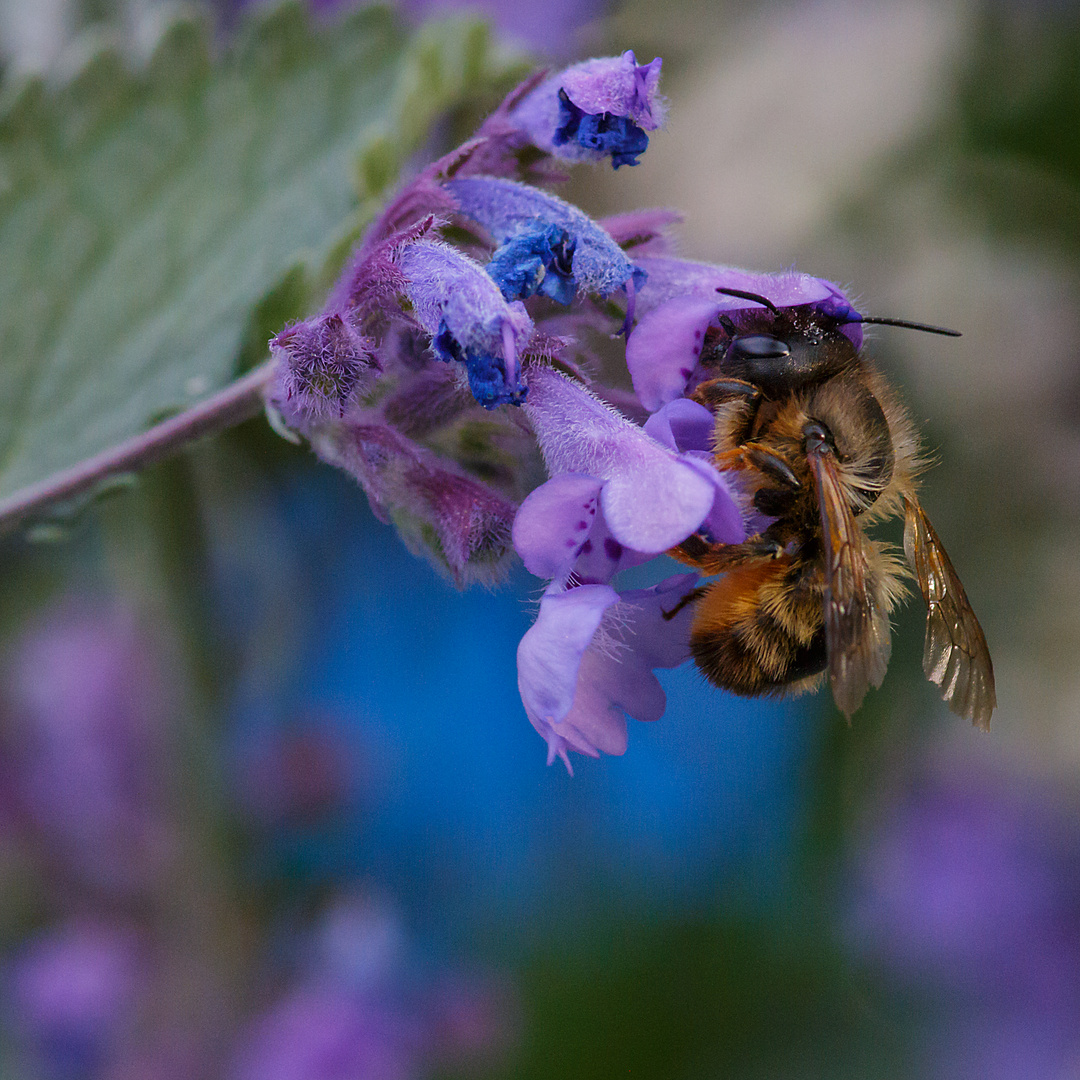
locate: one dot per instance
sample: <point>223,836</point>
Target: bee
<point>819,446</point>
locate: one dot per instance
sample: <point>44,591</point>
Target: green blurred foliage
<point>1016,121</point>
<point>159,225</point>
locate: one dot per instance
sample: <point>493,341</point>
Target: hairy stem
<point>239,401</point>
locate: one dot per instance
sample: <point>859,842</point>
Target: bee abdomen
<point>754,635</point>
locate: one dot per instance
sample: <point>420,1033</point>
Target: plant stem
<point>237,402</point>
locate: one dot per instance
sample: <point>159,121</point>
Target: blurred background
<point>270,806</point>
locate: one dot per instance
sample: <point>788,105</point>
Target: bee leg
<point>778,496</point>
<point>692,596</point>
<point>717,392</point>
<point>720,558</point>
<point>761,547</point>
<point>771,464</point>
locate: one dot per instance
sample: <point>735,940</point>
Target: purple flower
<point>323,364</point>
<point>543,237</point>
<point>462,309</point>
<point>967,887</point>
<point>321,1032</point>
<point>460,522</point>
<point>680,301</point>
<point>652,492</point>
<point>968,882</point>
<point>618,496</point>
<point>72,994</point>
<point>359,1012</point>
<point>596,109</point>
<point>88,744</point>
<point>587,663</point>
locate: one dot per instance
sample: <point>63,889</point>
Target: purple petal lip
<point>550,653</point>
<point>679,301</point>
<point>611,679</point>
<point>616,85</point>
<point>664,348</point>
<point>614,90</point>
<point>652,498</point>
<point>553,523</point>
<point>657,504</point>
<point>687,427</point>
<point>682,425</point>
<point>670,277</point>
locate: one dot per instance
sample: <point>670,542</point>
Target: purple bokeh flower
<point>71,994</point>
<point>324,1033</point>
<point>358,1009</point>
<point>968,889</point>
<point>88,744</point>
<point>596,109</point>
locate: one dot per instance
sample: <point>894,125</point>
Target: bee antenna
<point>756,297</point>
<point>907,325</point>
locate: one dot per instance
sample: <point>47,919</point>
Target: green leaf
<point>157,226</point>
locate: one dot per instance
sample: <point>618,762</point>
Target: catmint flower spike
<point>534,227</point>
<point>596,109</point>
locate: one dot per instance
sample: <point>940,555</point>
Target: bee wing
<point>955,656</point>
<point>856,629</point>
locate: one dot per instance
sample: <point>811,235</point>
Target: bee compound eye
<point>759,347</point>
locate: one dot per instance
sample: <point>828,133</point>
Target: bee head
<point>780,350</point>
<point>784,349</point>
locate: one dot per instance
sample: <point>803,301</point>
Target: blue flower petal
<point>487,373</point>
<point>604,133</point>
<point>538,260</point>
<point>510,210</point>
<point>469,321</point>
